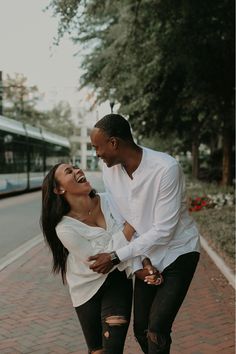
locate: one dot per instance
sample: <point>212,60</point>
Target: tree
<point>58,120</point>
<point>21,99</point>
<point>171,64</point>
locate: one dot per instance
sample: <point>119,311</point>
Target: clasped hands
<point>149,273</point>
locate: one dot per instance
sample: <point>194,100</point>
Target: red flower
<point>197,203</point>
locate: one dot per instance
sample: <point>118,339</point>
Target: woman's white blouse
<point>83,241</point>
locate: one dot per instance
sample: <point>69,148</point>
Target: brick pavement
<point>36,315</point>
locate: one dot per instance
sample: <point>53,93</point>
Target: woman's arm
<point>128,231</point>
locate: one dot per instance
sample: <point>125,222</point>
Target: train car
<point>26,154</point>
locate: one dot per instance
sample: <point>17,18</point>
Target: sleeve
<point>166,216</point>
<point>118,240</point>
<point>73,241</point>
<point>137,264</point>
<point>79,245</point>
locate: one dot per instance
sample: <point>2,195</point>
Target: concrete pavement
<point>36,315</point>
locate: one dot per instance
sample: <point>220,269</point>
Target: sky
<point>27,47</point>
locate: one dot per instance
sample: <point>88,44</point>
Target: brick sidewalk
<point>36,315</point>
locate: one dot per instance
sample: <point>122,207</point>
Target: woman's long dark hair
<point>54,207</point>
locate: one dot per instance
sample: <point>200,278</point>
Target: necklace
<point>81,216</point>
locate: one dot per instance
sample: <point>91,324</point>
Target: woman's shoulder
<point>68,223</point>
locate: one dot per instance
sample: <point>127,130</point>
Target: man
<point>147,189</point>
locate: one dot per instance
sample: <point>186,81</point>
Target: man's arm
<point>167,211</point>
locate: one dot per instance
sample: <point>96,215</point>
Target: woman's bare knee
<point>116,320</point>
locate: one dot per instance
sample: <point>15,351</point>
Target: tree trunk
<point>195,159</point>
<point>227,156</point>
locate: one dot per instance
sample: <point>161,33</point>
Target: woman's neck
<point>82,208</point>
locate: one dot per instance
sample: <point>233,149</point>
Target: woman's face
<point>71,179</point>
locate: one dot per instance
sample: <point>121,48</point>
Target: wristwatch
<point>114,258</point>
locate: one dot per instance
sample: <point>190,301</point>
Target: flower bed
<point>213,208</point>
<point>216,201</point>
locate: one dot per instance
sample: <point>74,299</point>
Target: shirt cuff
<point>137,264</point>
<point>124,253</point>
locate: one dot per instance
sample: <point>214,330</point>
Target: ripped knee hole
<point>116,320</point>
<point>152,336</point>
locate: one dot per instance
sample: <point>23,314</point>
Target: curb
<point>219,262</point>
<point>20,251</point>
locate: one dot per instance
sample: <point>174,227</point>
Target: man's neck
<point>133,159</point>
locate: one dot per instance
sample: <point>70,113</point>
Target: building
<point>82,150</point>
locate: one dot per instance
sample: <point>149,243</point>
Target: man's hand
<point>102,264</point>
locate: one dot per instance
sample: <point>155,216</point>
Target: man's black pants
<point>155,307</point>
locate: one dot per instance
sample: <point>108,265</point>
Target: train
<point>26,155</point>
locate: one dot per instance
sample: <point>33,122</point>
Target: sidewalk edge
<point>20,251</point>
<point>219,262</point>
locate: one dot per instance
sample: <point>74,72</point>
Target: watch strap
<point>114,258</point>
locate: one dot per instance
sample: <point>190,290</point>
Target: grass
<point>201,188</point>
<point>217,226</point>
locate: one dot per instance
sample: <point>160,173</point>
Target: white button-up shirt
<point>82,241</point>
<point>154,203</point>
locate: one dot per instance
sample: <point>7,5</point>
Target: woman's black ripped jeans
<point>155,307</point>
<point>105,317</point>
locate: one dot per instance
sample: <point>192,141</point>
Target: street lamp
<point>112,105</point>
<point>112,98</point>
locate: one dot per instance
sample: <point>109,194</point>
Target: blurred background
<point>168,67</point>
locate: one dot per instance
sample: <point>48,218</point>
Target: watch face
<point>114,258</point>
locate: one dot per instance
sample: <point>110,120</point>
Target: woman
<point>77,223</point>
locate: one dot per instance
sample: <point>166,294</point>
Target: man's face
<point>106,147</point>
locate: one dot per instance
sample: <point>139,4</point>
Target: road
<point>19,217</point>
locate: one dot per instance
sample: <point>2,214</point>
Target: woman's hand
<point>154,279</point>
<point>149,274</point>
<point>128,231</point>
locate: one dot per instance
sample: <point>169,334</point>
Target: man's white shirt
<point>154,203</point>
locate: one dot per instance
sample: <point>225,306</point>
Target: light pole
<point>112,105</point>
<point>112,98</point>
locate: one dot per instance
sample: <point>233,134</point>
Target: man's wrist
<point>114,258</point>
<point>146,261</point>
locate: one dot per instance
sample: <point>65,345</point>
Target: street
<point>19,216</point>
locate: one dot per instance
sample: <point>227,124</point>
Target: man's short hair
<point>115,125</point>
